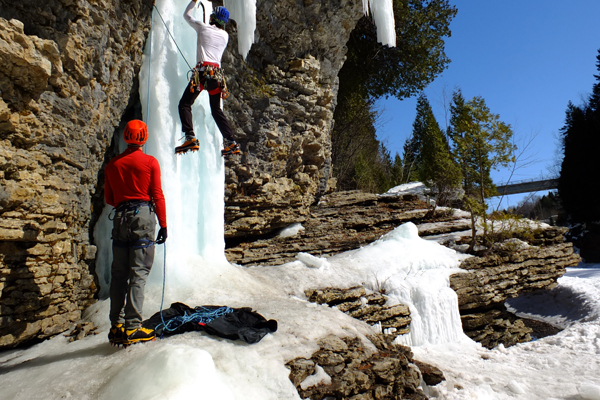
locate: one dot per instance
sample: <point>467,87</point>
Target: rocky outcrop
<point>370,308</point>
<point>347,220</point>
<point>341,221</point>
<point>68,71</point>
<point>488,281</point>
<point>343,368</point>
<point>281,102</point>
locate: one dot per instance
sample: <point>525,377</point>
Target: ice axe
<point>203,11</point>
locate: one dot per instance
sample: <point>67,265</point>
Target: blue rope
<point>149,70</point>
<point>202,316</point>
<point>162,300</point>
<point>174,41</point>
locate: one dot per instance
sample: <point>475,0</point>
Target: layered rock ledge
<point>347,368</point>
<point>341,221</point>
<point>370,308</point>
<point>490,280</point>
<point>347,220</point>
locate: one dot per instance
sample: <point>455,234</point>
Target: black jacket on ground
<point>237,323</point>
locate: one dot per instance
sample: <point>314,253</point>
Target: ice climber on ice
<point>132,185</point>
<point>208,74</point>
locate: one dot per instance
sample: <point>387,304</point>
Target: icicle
<point>383,14</point>
<point>244,14</point>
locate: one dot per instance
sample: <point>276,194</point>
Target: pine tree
<point>413,145</point>
<point>579,196</point>
<point>397,171</point>
<point>481,142</point>
<point>437,169</point>
<point>409,157</point>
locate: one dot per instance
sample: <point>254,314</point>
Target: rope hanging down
<point>149,70</point>
<point>172,38</point>
<point>162,300</point>
<point>198,316</point>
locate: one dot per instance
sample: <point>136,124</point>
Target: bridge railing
<point>540,179</point>
<point>526,186</point>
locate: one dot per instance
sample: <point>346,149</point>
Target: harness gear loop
<point>124,209</point>
<point>134,244</point>
<point>224,91</point>
<point>208,71</point>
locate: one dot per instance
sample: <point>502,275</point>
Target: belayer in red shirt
<point>132,185</point>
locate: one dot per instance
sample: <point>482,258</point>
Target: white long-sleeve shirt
<point>212,41</point>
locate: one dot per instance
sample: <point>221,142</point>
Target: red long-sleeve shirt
<point>133,175</point>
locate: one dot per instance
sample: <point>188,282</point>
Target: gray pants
<point>133,231</point>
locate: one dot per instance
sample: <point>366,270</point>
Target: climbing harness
<point>131,205</point>
<point>208,71</point>
<point>125,209</point>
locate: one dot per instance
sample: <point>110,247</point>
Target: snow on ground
<point>196,365</point>
<point>417,188</point>
<point>563,366</point>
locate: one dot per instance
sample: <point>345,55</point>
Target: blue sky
<point>526,58</point>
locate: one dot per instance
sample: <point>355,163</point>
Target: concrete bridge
<point>527,186</point>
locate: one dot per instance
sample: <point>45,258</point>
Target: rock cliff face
<point>490,280</point>
<point>348,220</point>
<point>68,80</point>
<point>281,104</point>
<point>67,72</point>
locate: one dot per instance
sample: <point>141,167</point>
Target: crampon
<point>231,148</point>
<point>190,144</point>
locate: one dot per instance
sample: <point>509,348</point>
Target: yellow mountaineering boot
<point>116,335</point>
<point>138,335</point>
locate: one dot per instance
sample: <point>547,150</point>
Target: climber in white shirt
<point>208,74</point>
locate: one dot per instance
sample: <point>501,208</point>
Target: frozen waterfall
<point>193,183</point>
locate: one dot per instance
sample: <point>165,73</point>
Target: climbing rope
<point>199,316</point>
<point>149,70</point>
<point>172,38</point>
<point>202,315</point>
<point>162,300</point>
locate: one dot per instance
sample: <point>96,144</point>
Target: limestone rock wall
<point>490,280</point>
<point>67,70</point>
<point>357,371</point>
<point>341,221</point>
<point>281,103</point>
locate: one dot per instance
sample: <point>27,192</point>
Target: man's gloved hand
<point>162,236</point>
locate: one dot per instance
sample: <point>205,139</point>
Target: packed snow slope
<point>196,365</point>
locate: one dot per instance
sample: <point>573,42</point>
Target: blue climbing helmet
<point>220,15</point>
